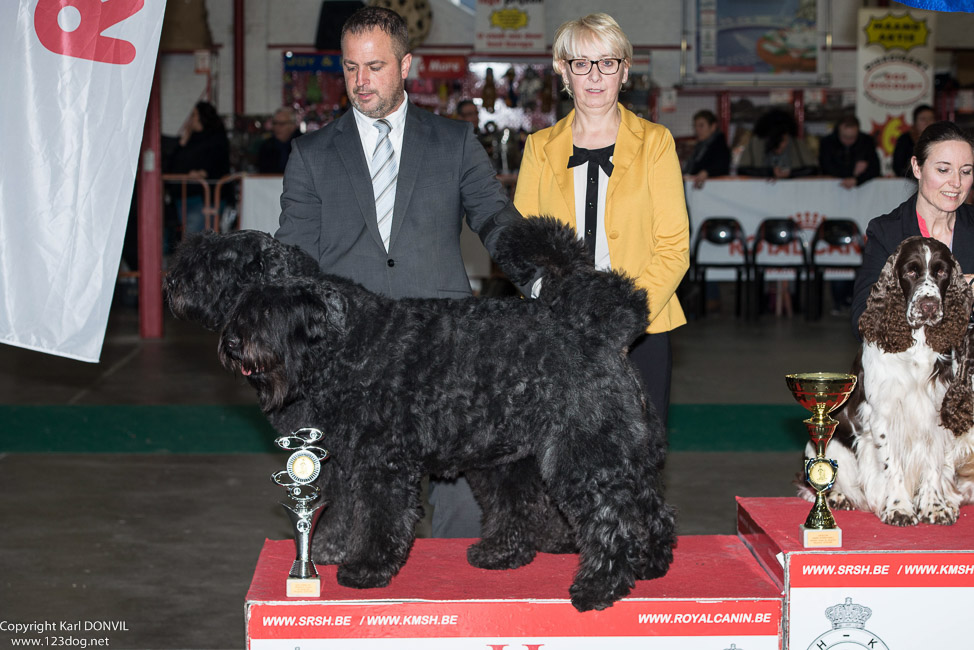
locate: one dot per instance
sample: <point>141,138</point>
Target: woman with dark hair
<point>774,151</point>
<point>204,154</point>
<point>943,166</point>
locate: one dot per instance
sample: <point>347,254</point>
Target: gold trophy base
<point>306,587</point>
<point>818,538</point>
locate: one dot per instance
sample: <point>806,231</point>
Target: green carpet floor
<point>243,429</point>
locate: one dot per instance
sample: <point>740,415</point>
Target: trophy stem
<point>303,517</point>
<point>820,518</point>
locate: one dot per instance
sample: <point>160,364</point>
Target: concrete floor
<point>167,544</point>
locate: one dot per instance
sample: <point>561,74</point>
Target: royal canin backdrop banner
<point>76,76</point>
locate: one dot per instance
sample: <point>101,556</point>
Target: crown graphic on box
<point>848,615</point>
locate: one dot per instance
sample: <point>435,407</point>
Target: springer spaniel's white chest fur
<point>902,448</point>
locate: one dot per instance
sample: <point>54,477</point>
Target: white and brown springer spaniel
<point>897,457</point>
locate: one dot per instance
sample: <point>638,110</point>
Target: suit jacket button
<point>614,234</point>
<point>391,262</point>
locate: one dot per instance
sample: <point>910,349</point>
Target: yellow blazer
<point>645,211</point>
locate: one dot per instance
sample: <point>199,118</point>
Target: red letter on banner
<point>86,40</point>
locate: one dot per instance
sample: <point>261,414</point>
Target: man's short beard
<point>384,107</point>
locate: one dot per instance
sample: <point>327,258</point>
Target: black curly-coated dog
<point>534,399</point>
<point>206,277</point>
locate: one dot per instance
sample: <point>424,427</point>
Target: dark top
<point>209,151</point>
<point>885,233</point>
<point>902,154</point>
<point>272,155</point>
<point>838,160</point>
<point>711,155</point>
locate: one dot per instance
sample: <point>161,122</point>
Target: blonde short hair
<point>601,28</point>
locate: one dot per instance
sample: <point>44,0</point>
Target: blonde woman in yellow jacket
<point>616,178</point>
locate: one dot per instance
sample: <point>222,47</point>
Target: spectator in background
<point>467,111</point>
<point>203,152</point>
<point>711,156</point>
<point>849,154</point>
<point>923,116</point>
<point>273,153</point>
<point>775,150</point>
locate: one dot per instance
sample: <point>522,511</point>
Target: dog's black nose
<point>929,306</point>
<point>231,341</point>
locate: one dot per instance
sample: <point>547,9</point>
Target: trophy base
<point>306,587</point>
<point>821,538</point>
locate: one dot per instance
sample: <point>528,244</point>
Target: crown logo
<point>848,615</point>
<point>808,220</point>
<point>733,647</point>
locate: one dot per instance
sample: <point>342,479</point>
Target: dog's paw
<point>364,575</point>
<point>597,594</point>
<point>839,501</point>
<point>487,554</point>
<point>656,565</point>
<point>940,514</point>
<point>898,517</point>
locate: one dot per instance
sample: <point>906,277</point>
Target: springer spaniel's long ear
<point>949,333</point>
<point>884,321</point>
<point>957,411</point>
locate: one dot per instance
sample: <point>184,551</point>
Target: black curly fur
<point>538,407</point>
<point>208,272</point>
<point>570,282</point>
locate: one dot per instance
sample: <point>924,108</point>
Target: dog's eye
<point>911,273</point>
<point>941,274</point>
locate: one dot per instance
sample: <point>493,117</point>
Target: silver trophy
<point>302,506</point>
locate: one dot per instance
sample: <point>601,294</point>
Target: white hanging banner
<point>76,76</point>
<point>894,72</point>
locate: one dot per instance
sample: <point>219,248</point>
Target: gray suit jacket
<point>328,208</point>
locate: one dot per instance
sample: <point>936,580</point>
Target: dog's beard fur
<point>270,335</point>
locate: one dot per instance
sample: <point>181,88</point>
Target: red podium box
<point>715,596</point>
<point>887,587</point>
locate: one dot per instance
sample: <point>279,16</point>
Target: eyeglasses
<point>584,66</point>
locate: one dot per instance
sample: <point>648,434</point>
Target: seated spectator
<point>923,116</point>
<point>711,156</point>
<point>274,151</point>
<point>775,150</point>
<point>849,154</point>
<point>203,152</point>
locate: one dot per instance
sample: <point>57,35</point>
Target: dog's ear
<point>884,321</point>
<point>333,316</point>
<point>948,335</point>
<point>957,411</point>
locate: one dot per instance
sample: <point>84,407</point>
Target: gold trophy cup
<point>821,393</point>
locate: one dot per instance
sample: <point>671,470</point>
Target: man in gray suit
<point>378,196</point>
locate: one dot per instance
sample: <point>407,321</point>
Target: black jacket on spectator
<point>209,151</point>
<point>902,153</point>
<point>712,155</point>
<point>836,159</point>
<point>273,154</point>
